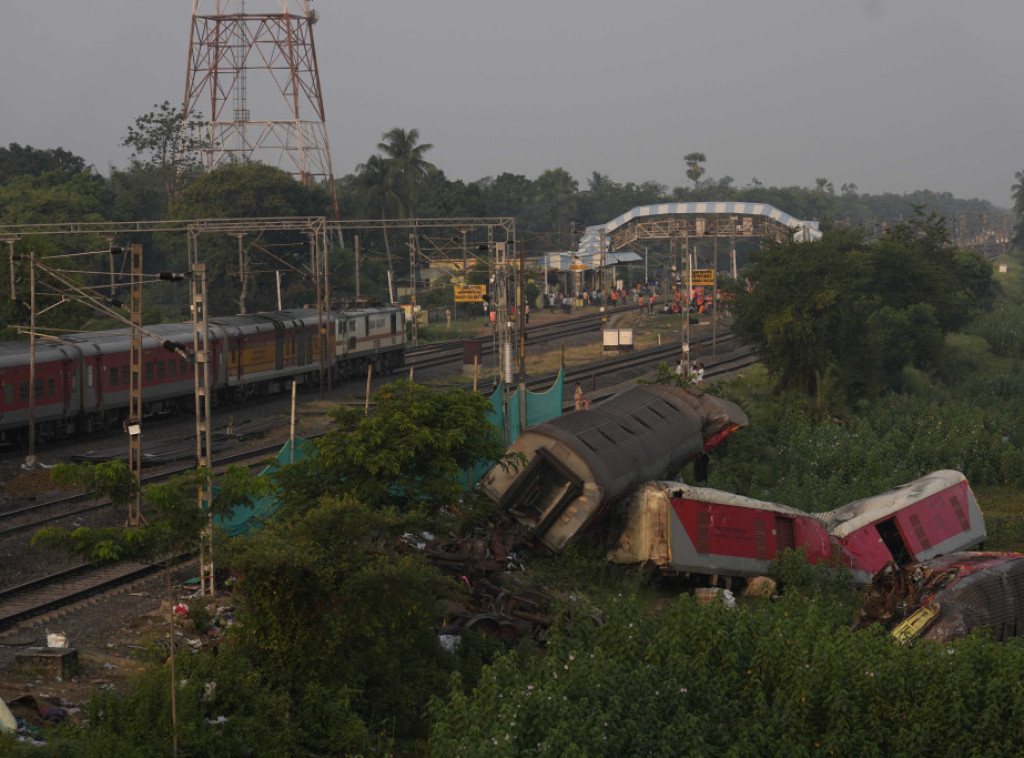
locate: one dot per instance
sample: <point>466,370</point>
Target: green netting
<point>540,406</point>
<point>244,519</point>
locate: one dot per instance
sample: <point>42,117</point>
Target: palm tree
<point>1017,192</point>
<point>694,170</point>
<point>401,149</point>
<point>377,179</point>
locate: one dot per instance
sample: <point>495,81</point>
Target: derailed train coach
<point>581,463</point>
<point>929,516</point>
<point>680,529</point>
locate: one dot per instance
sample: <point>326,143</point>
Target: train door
<point>783,533</point>
<point>300,356</point>
<point>278,346</point>
<point>67,388</point>
<point>890,534</point>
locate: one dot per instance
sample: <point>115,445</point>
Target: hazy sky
<point>891,95</point>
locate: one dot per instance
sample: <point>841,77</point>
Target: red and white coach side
<point>682,529</point>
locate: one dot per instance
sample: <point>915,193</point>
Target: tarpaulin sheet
<point>245,518</point>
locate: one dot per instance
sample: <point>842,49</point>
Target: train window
<point>9,393</point>
<point>39,389</point>
<point>51,387</point>
<point>184,367</point>
<point>22,392</point>
<point>113,376</point>
<point>149,372</point>
<point>88,376</point>
<point>160,370</point>
<point>172,367</point>
<point>394,323</point>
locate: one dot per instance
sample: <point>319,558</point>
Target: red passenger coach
<point>930,516</point>
<point>682,529</point>
<point>56,387</point>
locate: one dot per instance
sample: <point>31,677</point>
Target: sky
<point>889,95</point>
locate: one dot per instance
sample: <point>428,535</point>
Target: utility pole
<point>357,266</point>
<point>200,331</point>
<point>521,318</point>
<point>10,244</point>
<point>243,273</point>
<point>30,459</point>
<point>133,425</point>
<point>412,281</point>
<point>686,307</point>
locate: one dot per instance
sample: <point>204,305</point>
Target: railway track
<point>62,589</point>
<point>443,353</point>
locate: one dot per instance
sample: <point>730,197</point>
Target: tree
<point>403,151</point>
<point>16,160</point>
<point>164,144</point>
<point>409,454</point>
<point>1017,192</point>
<point>694,169</point>
<point>250,190</point>
<point>381,198</point>
<point>342,626</point>
<point>391,181</point>
<point>845,313</point>
<point>555,199</point>
<point>175,523</point>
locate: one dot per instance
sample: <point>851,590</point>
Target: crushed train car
<point>681,529</point>
<point>935,514</point>
<point>946,597</point>
<point>580,463</point>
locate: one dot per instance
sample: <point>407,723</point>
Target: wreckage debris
<point>947,597</point>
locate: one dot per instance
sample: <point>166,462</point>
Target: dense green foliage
<point>840,319</point>
<point>784,678</point>
<point>410,453</point>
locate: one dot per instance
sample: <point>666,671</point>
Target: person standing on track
<point>578,397</point>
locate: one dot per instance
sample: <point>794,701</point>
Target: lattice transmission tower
<point>236,56</point>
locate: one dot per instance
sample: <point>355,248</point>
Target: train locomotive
<point>581,463</point>
<point>82,380</point>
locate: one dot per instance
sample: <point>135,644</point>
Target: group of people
<point>694,373</point>
<point>586,297</point>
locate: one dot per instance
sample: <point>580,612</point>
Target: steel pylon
<point>269,58</point>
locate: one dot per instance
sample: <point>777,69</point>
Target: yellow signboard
<point>703,277</point>
<point>471,293</point>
